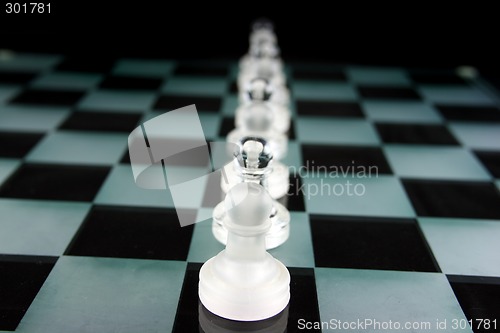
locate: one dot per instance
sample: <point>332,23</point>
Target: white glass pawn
<point>256,170</point>
<point>263,35</point>
<point>264,61</point>
<point>269,50</point>
<point>263,42</point>
<point>244,282</point>
<point>257,120</point>
<point>273,175</point>
<point>276,93</point>
<point>269,68</point>
<point>260,91</point>
<point>250,58</point>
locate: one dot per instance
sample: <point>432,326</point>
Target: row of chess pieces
<point>260,140</point>
<point>244,282</point>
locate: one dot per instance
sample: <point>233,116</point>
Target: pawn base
<point>230,300</point>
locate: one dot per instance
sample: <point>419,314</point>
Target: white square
<point>41,228</point>
<point>352,295</point>
<point>464,246</point>
<point>106,295</point>
<point>434,162</point>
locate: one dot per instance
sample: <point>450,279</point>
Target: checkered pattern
<point>83,249</point>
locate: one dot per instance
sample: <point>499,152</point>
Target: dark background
<point>413,34</point>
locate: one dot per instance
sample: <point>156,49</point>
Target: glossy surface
<point>420,244</point>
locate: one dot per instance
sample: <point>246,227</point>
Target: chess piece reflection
<point>210,323</point>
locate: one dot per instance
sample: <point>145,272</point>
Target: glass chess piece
<point>253,161</point>
<point>260,91</point>
<point>262,34</point>
<point>263,59</point>
<point>274,93</point>
<point>244,282</point>
<point>273,175</point>
<point>265,67</point>
<point>257,121</point>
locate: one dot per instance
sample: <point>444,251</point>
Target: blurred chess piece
<point>257,121</point>
<point>262,60</point>
<point>268,68</point>
<point>259,90</point>
<point>275,93</point>
<point>262,38</point>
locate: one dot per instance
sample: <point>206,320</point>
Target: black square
<point>493,80</point>
<point>326,158</point>
<point>14,77</point>
<point>101,121</point>
<point>54,182</point>
<point>226,126</point>
<point>415,134</point>
<point>478,297</point>
<point>17,145</point>
<point>21,277</point>
<point>291,130</point>
<point>303,298</point>
<point>326,108</point>
<point>319,75</point>
<point>122,82</point>
<point>125,158</point>
<point>131,232</point>
<point>188,69</point>
<point>86,64</point>
<point>303,305</point>
<point>186,317</point>
<point>438,78</point>
<point>370,243</point>
<point>491,160</point>
<point>470,113</point>
<point>294,200</point>
<point>172,102</point>
<point>454,198</point>
<point>48,97</point>
<point>233,87</point>
<point>398,93</point>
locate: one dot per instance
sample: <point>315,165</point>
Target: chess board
<point>83,249</point>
